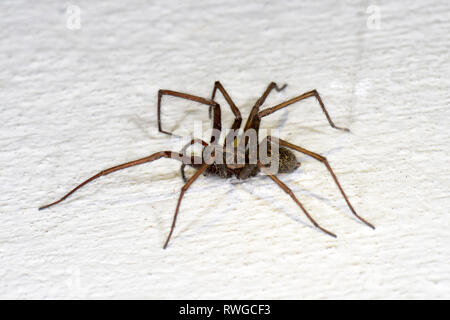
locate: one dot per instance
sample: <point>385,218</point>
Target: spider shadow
<point>196,224</point>
<point>282,121</point>
<point>272,200</point>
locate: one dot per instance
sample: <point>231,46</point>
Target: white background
<point>76,101</point>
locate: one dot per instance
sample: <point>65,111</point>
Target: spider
<point>287,161</point>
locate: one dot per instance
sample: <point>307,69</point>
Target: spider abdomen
<point>287,162</point>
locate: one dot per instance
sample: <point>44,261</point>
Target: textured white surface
<point>74,102</point>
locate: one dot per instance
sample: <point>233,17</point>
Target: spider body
<point>283,157</point>
<point>220,170</point>
<point>287,163</point>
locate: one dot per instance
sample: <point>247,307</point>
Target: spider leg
<point>253,121</point>
<point>183,190</point>
<point>259,102</point>
<point>217,123</point>
<point>155,156</point>
<point>327,165</point>
<point>237,114</point>
<point>193,141</point>
<point>289,192</point>
<point>269,89</point>
<point>305,95</point>
<point>199,160</point>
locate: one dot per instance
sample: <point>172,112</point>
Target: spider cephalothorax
<point>251,165</point>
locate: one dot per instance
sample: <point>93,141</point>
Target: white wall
<point>74,102</point>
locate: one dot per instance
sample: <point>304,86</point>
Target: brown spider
<point>287,161</point>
